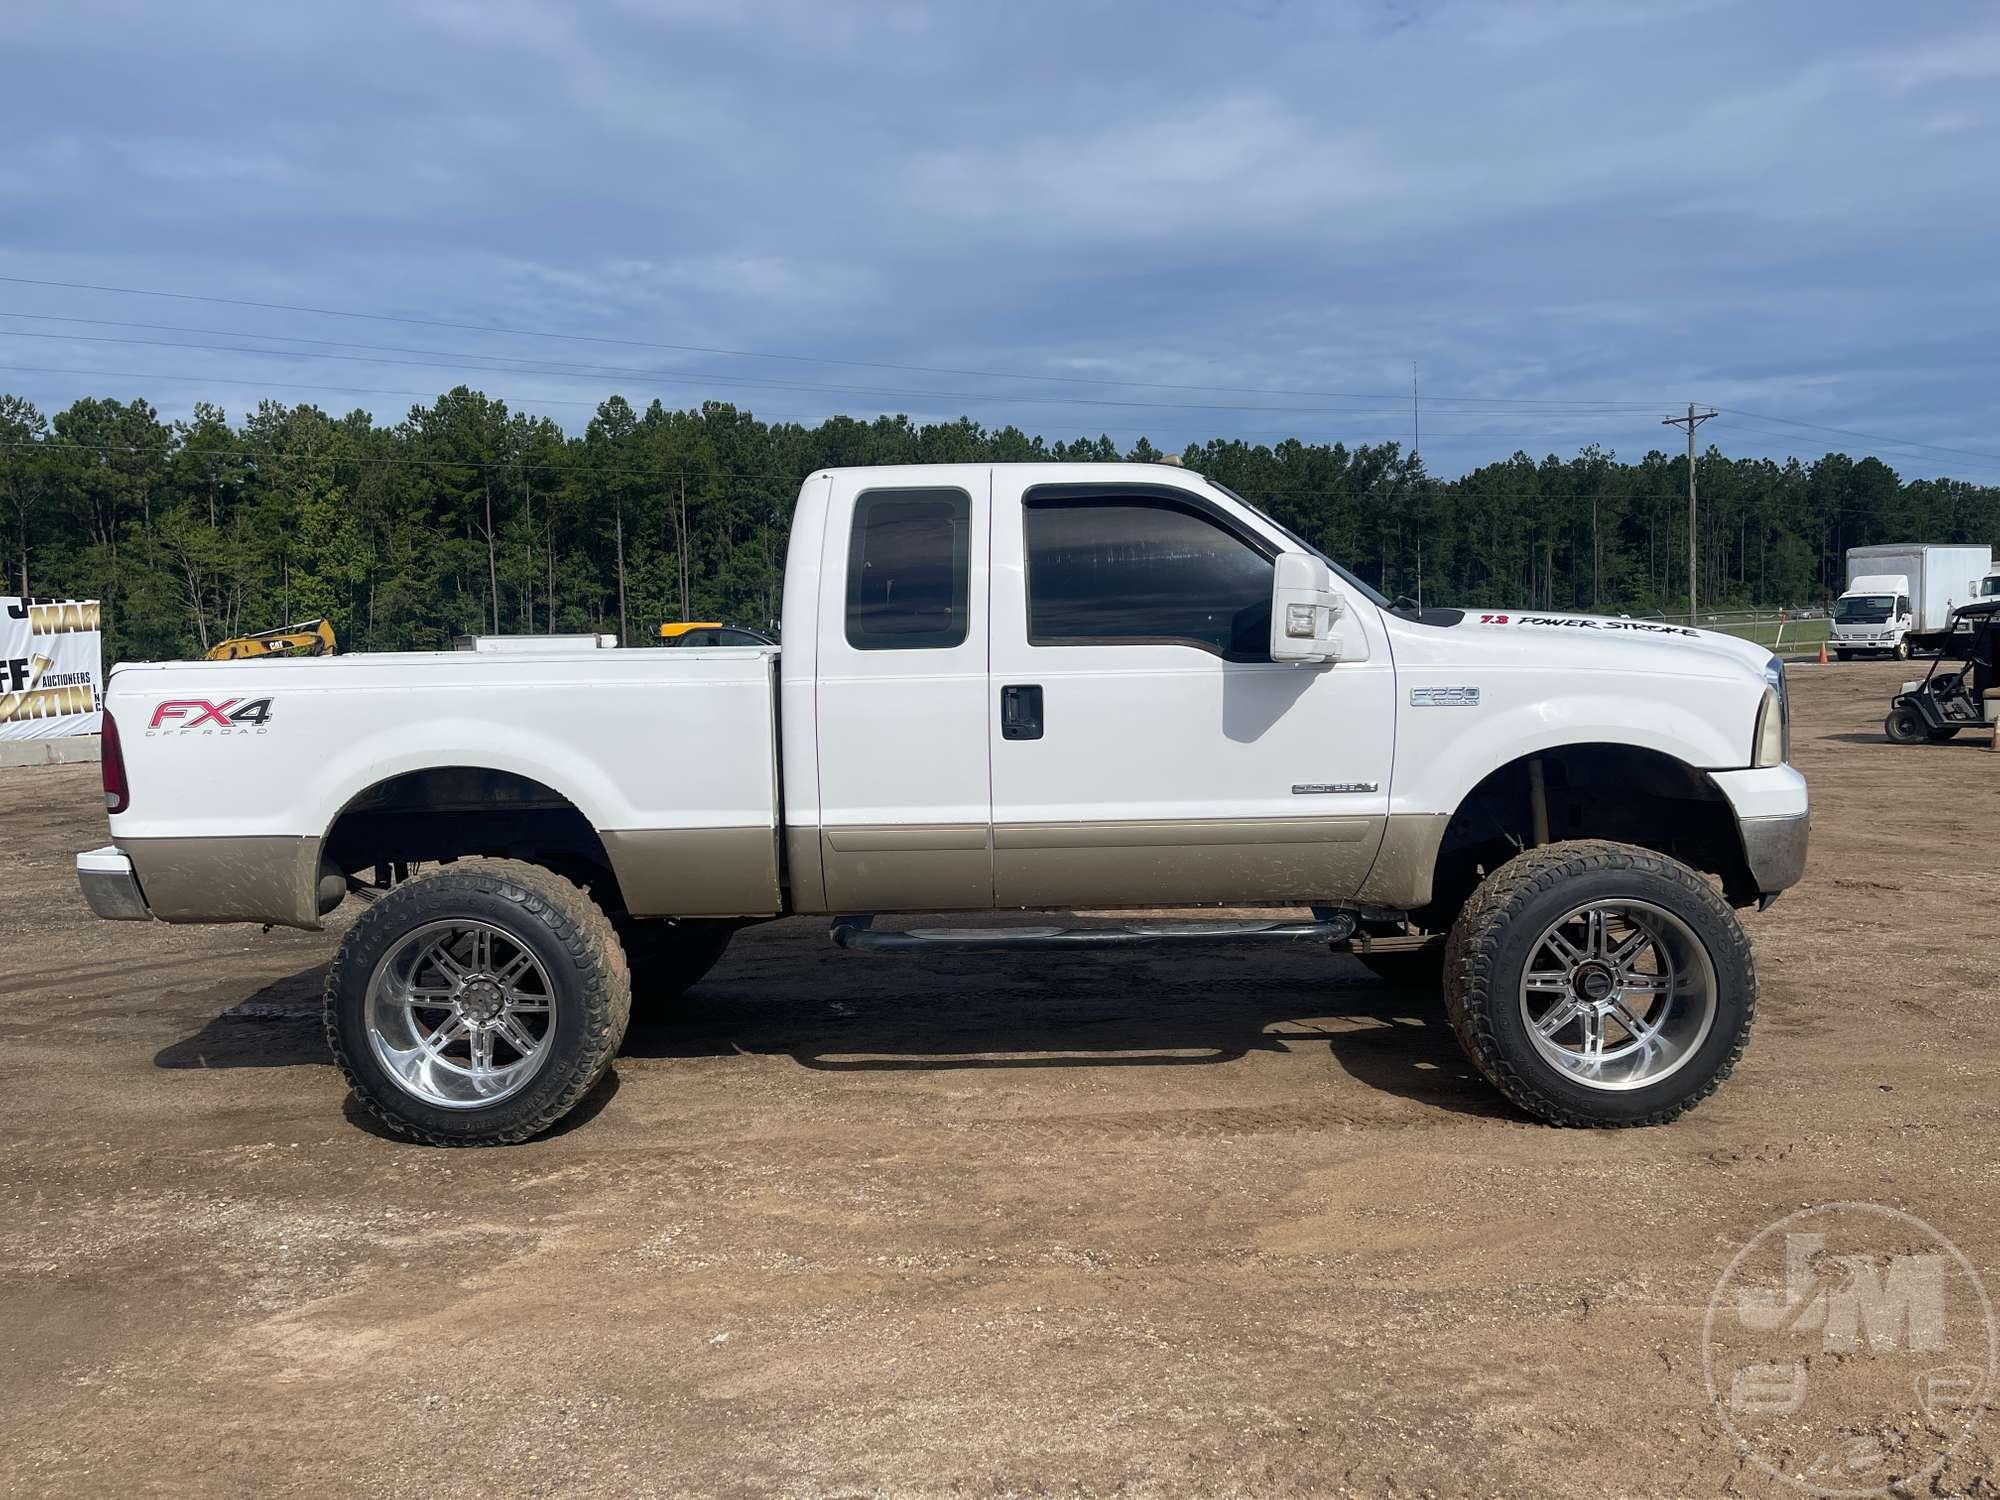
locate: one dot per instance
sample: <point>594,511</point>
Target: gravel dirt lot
<point>1237,1222</point>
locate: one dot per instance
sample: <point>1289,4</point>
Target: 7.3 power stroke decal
<point>1580,622</point>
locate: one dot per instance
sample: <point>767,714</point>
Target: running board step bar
<point>859,933</point>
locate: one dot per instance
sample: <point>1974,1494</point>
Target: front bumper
<point>1774,821</point>
<point>111,886</point>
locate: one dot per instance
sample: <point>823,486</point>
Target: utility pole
<point>1417,457</point>
<point>1691,421</point>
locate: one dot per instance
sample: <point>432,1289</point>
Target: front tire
<point>1600,984</point>
<point>477,1004</point>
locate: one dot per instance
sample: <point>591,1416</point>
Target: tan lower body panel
<point>251,879</point>
<point>1183,862</point>
<point>908,867</point>
<point>804,872</point>
<point>696,872</point>
<point>1401,878</point>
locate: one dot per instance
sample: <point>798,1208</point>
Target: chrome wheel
<point>460,1014</point>
<point>1618,994</point>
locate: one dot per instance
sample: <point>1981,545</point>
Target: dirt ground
<point>1236,1222</point>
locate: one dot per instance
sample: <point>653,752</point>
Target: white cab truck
<point>1008,688</point>
<point>1901,589</point>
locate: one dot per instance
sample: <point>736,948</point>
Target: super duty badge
<point>1444,697</point>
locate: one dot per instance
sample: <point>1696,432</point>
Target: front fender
<point>1443,752</point>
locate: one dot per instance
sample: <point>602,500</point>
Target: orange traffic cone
<point>1822,653</point>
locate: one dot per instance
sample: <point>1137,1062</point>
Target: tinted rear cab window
<point>908,570</point>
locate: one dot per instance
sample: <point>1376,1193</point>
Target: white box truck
<point>1899,588</point>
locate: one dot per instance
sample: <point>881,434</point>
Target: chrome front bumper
<point>110,886</point>
<point>1774,821</point>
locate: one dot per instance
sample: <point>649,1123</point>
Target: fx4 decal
<point>1572,622</point>
<point>230,716</point>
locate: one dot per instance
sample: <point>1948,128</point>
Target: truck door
<point>901,694</point>
<point>1145,747</point>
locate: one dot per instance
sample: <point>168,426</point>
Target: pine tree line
<point>467,517</point>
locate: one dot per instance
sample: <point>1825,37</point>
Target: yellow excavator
<point>710,633</point>
<point>307,638</point>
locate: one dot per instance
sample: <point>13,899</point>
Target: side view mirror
<point>1306,611</point>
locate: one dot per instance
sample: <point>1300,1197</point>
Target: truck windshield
<point>1989,587</point>
<point>1374,596</point>
<point>1865,609</point>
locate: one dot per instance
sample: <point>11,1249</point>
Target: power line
<point>1791,443</point>
<point>333,312</point>
<point>84,376</point>
<point>1873,437</point>
<point>451,360</point>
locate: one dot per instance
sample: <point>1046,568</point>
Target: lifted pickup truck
<point>1002,686</point>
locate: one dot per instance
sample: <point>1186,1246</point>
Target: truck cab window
<point>908,570</point>
<point>1122,570</point>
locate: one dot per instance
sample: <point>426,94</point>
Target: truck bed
<point>239,770</point>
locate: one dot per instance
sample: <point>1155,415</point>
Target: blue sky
<point>1781,209</point>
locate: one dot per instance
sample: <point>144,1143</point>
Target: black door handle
<point>1021,711</point>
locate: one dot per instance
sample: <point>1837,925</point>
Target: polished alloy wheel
<point>1618,994</point>
<point>460,1014</point>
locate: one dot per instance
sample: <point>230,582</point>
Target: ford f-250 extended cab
<point>1001,687</point>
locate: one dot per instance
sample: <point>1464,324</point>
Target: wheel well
<point>1618,792</point>
<point>443,813</point>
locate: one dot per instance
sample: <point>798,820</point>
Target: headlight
<point>1772,744</point>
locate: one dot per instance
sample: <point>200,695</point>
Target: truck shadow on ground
<point>910,1018</point>
<point>1069,1012</point>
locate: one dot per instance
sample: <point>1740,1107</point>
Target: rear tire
<point>1666,949</point>
<point>486,979</point>
<point>1905,726</point>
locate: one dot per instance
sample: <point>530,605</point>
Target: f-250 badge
<point>178,716</point>
<point>1444,697</point>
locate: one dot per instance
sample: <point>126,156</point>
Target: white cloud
<point>1244,162</point>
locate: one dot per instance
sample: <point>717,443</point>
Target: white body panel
<point>1546,680</point>
<point>1153,731</point>
<point>637,740</point>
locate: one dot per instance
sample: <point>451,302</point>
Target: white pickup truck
<point>1002,687</point>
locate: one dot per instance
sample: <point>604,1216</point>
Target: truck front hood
<point>1604,641</point>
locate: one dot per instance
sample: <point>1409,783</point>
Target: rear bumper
<point>1774,821</point>
<point>110,885</point>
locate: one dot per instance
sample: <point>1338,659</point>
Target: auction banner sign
<point>51,668</point>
